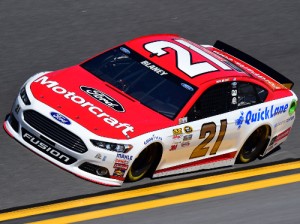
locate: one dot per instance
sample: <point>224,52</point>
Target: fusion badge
<point>45,148</point>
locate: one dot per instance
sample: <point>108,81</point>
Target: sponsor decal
<point>240,120</point>
<point>119,172</point>
<point>234,85</point>
<point>187,137</point>
<point>46,148</point>
<point>183,120</point>
<point>284,121</point>
<point>97,111</point>
<point>98,156</point>
<point>234,96</point>
<point>186,86</point>
<point>122,161</point>
<point>279,123</point>
<point>233,92</point>
<point>282,135</point>
<point>173,147</point>
<point>61,118</point>
<point>177,137</point>
<point>124,156</point>
<point>152,139</point>
<point>261,114</point>
<point>188,129</point>
<point>234,100</point>
<point>125,50</point>
<point>222,80</point>
<point>121,166</point>
<point>185,144</point>
<point>290,119</point>
<point>154,67</point>
<point>103,98</point>
<point>177,131</point>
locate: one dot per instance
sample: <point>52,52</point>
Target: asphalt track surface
<point>49,35</point>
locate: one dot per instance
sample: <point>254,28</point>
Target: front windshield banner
<point>141,79</point>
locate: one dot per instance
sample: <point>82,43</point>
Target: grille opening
<point>54,131</point>
<point>47,140</point>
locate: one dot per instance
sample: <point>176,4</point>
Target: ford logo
<point>186,86</point>
<point>125,50</point>
<point>103,98</point>
<point>60,118</point>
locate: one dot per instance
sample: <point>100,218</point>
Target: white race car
<point>157,105</point>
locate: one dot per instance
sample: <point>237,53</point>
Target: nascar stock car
<point>157,105</point>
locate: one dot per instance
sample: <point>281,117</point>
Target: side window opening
<point>246,95</point>
<point>262,93</point>
<point>225,97</point>
<point>250,94</point>
<point>215,100</point>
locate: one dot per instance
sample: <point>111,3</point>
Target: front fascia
<point>94,155</point>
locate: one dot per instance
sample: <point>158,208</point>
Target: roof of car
<point>186,55</point>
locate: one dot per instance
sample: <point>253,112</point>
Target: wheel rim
<point>254,144</point>
<point>141,165</point>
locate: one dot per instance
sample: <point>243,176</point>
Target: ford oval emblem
<point>103,98</point>
<point>186,86</point>
<point>61,118</point>
<point>125,50</point>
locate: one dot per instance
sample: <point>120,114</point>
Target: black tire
<point>254,145</point>
<point>143,164</point>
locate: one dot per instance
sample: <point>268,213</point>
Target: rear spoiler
<point>254,63</point>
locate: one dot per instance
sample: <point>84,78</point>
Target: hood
<point>95,104</point>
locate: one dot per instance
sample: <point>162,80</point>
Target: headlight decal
<point>24,96</point>
<point>124,148</point>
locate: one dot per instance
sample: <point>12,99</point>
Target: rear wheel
<point>254,145</point>
<point>142,164</point>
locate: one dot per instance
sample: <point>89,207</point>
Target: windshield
<point>141,79</point>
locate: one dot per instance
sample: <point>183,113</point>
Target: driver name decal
<point>154,68</point>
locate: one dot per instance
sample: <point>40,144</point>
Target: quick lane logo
<point>98,112</point>
<point>262,114</point>
<point>45,148</point>
<point>103,98</point>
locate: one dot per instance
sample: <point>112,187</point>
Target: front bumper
<point>80,164</point>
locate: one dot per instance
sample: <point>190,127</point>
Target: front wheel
<point>142,164</point>
<point>254,145</point>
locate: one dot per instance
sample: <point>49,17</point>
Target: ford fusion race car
<point>157,105</point>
